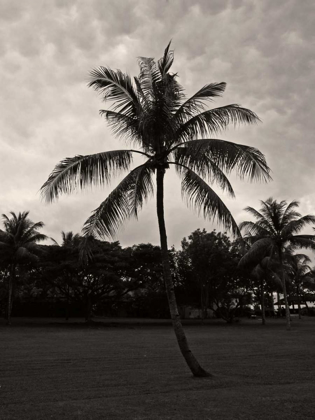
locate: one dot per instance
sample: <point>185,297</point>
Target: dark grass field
<point>50,370</point>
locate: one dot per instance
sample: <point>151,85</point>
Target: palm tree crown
<point>278,225</point>
<point>153,113</point>
<point>299,269</point>
<point>18,240</point>
<point>277,229</point>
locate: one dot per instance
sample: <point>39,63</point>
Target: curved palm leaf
<point>122,125</point>
<point>262,223</point>
<point>80,171</point>
<point>149,77</point>
<point>295,226</point>
<point>302,241</point>
<point>123,202</point>
<point>203,166</point>
<point>34,237</point>
<point>259,250</point>
<point>196,102</point>
<point>199,194</point>
<point>116,86</point>
<point>214,121</point>
<point>165,63</point>
<point>247,161</point>
<point>289,213</point>
<point>252,230</point>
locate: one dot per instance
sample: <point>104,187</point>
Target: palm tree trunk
<point>284,287</point>
<point>262,300</point>
<point>279,305</point>
<point>10,289</point>
<point>190,359</point>
<point>67,303</point>
<point>88,308</point>
<point>272,304</point>
<point>203,301</point>
<point>299,301</point>
<point>207,299</point>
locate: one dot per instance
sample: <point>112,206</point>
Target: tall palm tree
<point>153,113</point>
<point>18,245</point>
<point>277,226</point>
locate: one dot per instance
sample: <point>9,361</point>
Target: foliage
<point>209,276</point>
<point>97,283</point>
<point>277,227</point>
<point>149,300</point>
<point>18,247</point>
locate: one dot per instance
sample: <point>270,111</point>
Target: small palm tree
<point>300,273</point>
<point>153,113</point>
<point>69,239</point>
<point>277,226</point>
<point>17,246</point>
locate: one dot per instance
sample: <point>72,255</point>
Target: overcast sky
<point>263,50</point>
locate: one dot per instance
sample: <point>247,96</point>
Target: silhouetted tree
<point>300,274</point>
<point>207,265</point>
<point>277,226</point>
<point>102,279</point>
<point>18,245</point>
<point>153,113</point>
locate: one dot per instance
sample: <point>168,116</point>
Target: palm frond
<point>122,125</point>
<point>259,250</point>
<point>34,237</point>
<point>253,231</point>
<point>290,213</point>
<point>196,103</point>
<point>165,63</point>
<point>302,241</point>
<point>149,77</point>
<point>123,202</point>
<point>246,161</point>
<point>203,166</point>
<point>202,197</point>
<point>262,222</point>
<point>143,188</point>
<point>214,121</point>
<point>295,226</point>
<point>81,171</point>
<point>116,86</point>
<point>303,258</point>
<point>144,100</point>
<point>273,212</point>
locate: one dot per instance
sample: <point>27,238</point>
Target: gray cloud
<point>263,50</point>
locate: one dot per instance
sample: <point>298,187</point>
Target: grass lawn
<point>57,371</point>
